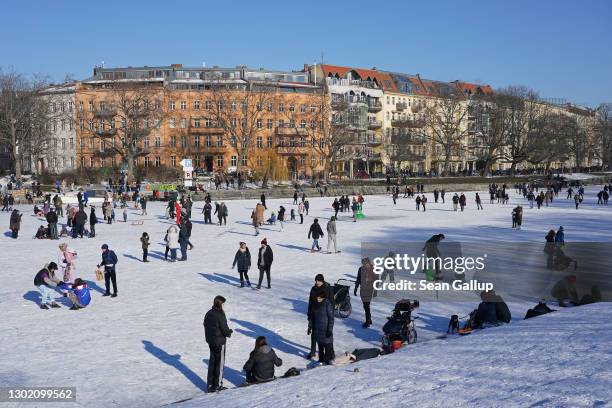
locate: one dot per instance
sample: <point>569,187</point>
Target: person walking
<point>331,234</point>
<point>265,258</point>
<point>316,232</point>
<point>243,260</point>
<point>51,218</point>
<point>263,200</point>
<point>216,333</point>
<point>365,279</point>
<point>183,241</point>
<point>207,211</point>
<point>143,204</point>
<point>109,260</point>
<point>478,202</point>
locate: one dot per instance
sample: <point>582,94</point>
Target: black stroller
<point>342,298</point>
<point>400,328</point>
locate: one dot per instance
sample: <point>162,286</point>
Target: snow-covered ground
<point>146,347</point>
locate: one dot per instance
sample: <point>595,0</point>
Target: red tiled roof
<point>383,79</point>
<point>474,88</point>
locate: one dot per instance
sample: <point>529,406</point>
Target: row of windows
<point>63,124</point>
<point>157,161</point>
<point>55,107</point>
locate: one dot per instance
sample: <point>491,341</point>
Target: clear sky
<point>560,48</point>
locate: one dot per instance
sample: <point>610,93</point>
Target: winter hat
<point>78,282</point>
<point>52,266</point>
<point>104,246</point>
<point>264,241</point>
<point>319,278</point>
<point>561,228</point>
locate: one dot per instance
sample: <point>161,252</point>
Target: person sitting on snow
<point>272,219</point>
<point>260,366</point>
<point>78,293</point>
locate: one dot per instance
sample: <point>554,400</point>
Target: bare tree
<point>603,134</point>
<point>407,142</point>
<point>446,123</point>
<point>325,127</point>
<point>24,117</point>
<point>240,113</point>
<point>122,122</point>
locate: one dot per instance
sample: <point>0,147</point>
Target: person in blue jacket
<point>78,293</point>
<point>109,260</point>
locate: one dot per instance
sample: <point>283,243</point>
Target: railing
<point>351,82</point>
<point>374,124</point>
<point>374,106</point>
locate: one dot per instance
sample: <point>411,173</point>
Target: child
<point>125,215</point>
<point>145,246</point>
<point>292,214</point>
<point>78,293</point>
<point>272,219</point>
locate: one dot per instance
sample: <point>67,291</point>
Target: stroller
<point>400,328</point>
<point>342,298</point>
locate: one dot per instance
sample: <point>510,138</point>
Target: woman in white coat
<point>172,241</point>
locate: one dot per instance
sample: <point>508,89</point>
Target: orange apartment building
<point>224,119</point>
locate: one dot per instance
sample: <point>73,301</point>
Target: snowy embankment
<point>562,359</point>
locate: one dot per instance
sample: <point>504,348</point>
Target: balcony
<point>206,130</point>
<point>291,150</point>
<point>407,123</point>
<point>374,106</point>
<point>401,106</point>
<point>374,140</point>
<point>407,139</point>
<point>374,124</point>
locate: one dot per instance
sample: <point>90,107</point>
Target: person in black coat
<point>243,260</point>
<point>265,258</point>
<point>263,200</point>
<point>323,326</point>
<point>109,260</point>
<point>319,288</point>
<point>207,211</point>
<point>93,220</point>
<point>216,332</point>
<point>260,366</point>
<point>79,221</point>
<point>183,241</point>
<point>316,232</point>
<point>52,221</point>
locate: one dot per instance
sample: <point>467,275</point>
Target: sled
<point>137,222</point>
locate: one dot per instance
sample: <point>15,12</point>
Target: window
<point>157,142</point>
<point>219,161</point>
<point>184,141</point>
<point>196,105</point>
<point>303,124</point>
<point>55,162</point>
<point>281,123</point>
<point>172,141</point>
<point>234,161</point>
<point>270,107</point>
<point>303,108</point>
<point>208,105</point>
<point>71,141</point>
<point>269,141</point>
<point>54,126</point>
<point>172,105</point>
<point>291,108</point>
<point>259,161</point>
<point>173,161</point>
<point>270,123</point>
<point>234,122</point>
<point>146,142</point>
<point>183,123</point>
<point>112,162</point>
<point>102,106</point>
<point>81,110</point>
<point>208,141</point>
<point>313,108</point>
<point>81,124</point>
<point>63,124</point>
<point>102,162</point>
<point>145,123</point>
<point>82,162</point>
<point>157,161</point>
<point>183,105</point>
<point>196,140</point>
<point>72,162</point>
<point>70,124</point>
<point>243,160</point>
<point>146,161</point>
<point>259,142</point>
<point>172,123</point>
<point>197,161</point>
<point>70,107</point>
<point>233,141</point>
<point>220,141</point>
<point>91,108</point>
<point>112,123</point>
<point>281,107</point>
<point>92,162</point>
<point>259,124</point>
<point>258,106</point>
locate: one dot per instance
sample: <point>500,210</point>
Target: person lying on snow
<point>538,310</point>
<point>78,293</point>
<point>260,366</point>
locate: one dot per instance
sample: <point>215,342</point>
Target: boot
<point>55,305</point>
<point>44,306</point>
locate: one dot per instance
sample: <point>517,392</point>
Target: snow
<point>146,347</point>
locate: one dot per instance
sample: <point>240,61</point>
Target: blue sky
<point>560,48</point>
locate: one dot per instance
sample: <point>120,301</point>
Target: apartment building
<point>224,119</point>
